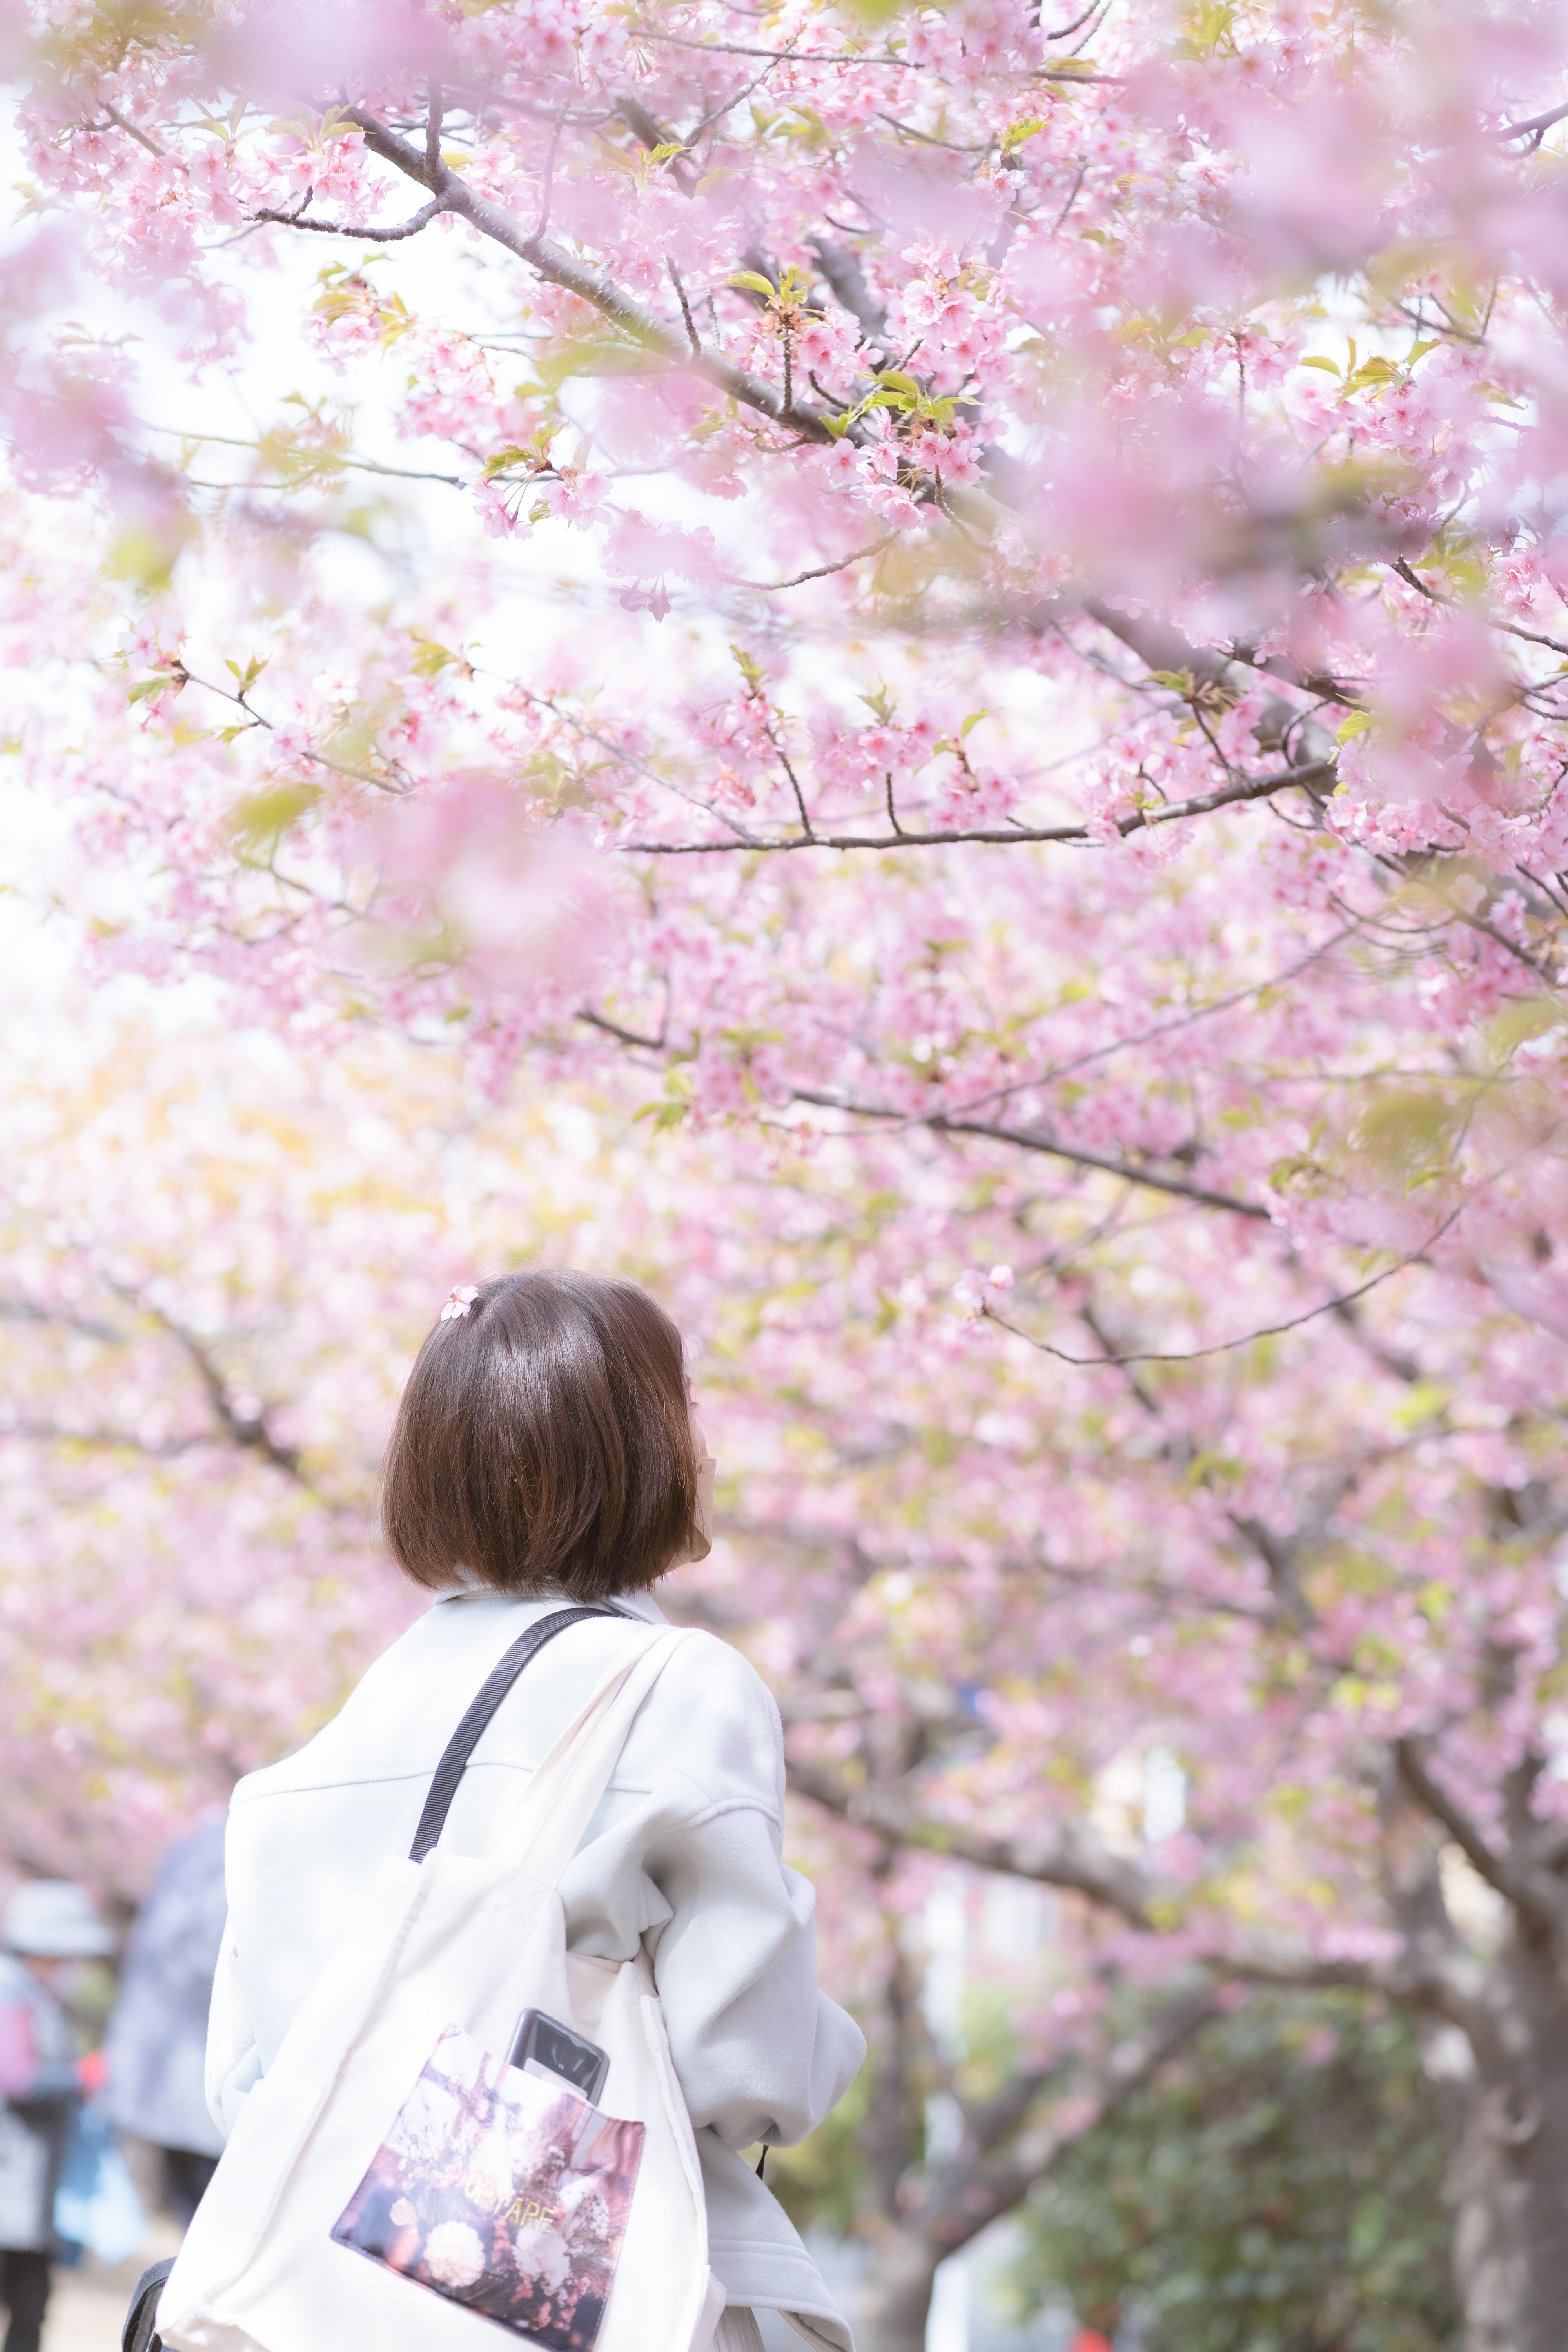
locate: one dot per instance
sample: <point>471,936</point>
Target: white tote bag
<point>393,2183</point>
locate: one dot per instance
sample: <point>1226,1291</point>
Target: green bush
<point>1279,2190</point>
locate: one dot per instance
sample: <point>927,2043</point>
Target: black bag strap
<point>464,1740</point>
<point>141,2321</point>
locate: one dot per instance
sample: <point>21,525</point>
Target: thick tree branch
<point>945,1123</point>
<point>1415,1978</point>
<point>1072,1856</point>
<point>1068,1855</point>
<point>851,289</point>
<point>1160,646</point>
<point>1537,1897</point>
<point>247,1429</point>
<point>1535,129</point>
<point>634,319</point>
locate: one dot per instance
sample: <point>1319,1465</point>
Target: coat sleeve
<point>760,2051</point>
<point>234,2061</point>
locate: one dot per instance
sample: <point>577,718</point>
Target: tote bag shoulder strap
<point>546,1824</point>
<point>465,1739</point>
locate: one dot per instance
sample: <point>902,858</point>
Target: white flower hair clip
<point>459,1301</point>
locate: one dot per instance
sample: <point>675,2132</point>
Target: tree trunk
<point>1510,2249</point>
<point>898,2296</point>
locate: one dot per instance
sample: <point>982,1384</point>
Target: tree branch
<point>1535,129</point>
<point>965,2196</point>
<point>142,137</point>
<point>614,1029</point>
<point>1244,1338</point>
<point>410,227</point>
<point>842,268</point>
<point>1062,31</point>
<point>633,317</point>
<point>1068,1855</point>
<point>22,1310</point>
<point>692,337</point>
<point>822,571</point>
<point>1232,795</point>
<point>1073,1857</point>
<point>779,57</point>
<point>248,1431</point>
<point>103,1441</point>
<point>942,1123</point>
<point>1408,1978</point>
<point>1534,1894</point>
<point>1160,646</point>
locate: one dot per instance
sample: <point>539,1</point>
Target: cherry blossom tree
<point>1045,777</point>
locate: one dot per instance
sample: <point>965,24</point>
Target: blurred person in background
<point>49,1923</point>
<point>156,2044</point>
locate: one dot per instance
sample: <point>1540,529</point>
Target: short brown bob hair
<point>543,1443</point>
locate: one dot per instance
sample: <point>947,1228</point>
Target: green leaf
<point>1205,27</point>
<point>1329,366</point>
<point>431,659</point>
<point>664,1115</point>
<point>1519,1023</point>
<point>1422,1401</point>
<point>753,281</point>
<point>1356,723</point>
<point>1372,372</point>
<point>262,818</point>
<point>974,719</point>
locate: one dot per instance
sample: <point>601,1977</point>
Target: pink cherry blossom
<point>950,631</point>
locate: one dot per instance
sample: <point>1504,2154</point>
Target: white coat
<point>683,1856</point>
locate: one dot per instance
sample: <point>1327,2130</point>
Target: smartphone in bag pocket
<point>542,2045</point>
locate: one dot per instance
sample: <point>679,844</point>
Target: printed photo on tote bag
<point>502,2192</point>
